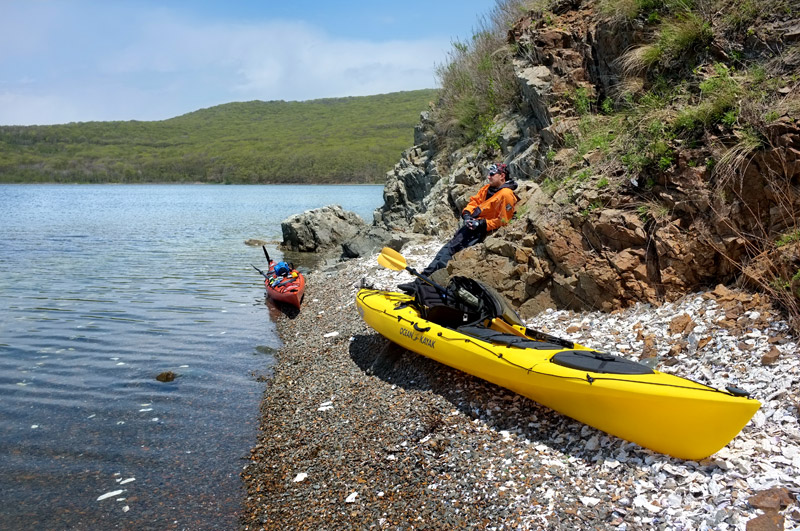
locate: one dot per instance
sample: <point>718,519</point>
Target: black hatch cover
<point>594,361</point>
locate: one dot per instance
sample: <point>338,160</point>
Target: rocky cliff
<point>595,229</point>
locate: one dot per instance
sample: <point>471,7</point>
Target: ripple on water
<point>102,289</point>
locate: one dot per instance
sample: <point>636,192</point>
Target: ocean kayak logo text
<point>417,337</point>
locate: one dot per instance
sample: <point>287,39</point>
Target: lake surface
<point>104,287</point>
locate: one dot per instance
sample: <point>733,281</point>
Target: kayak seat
<point>594,361</point>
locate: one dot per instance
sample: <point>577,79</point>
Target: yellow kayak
<point>665,413</point>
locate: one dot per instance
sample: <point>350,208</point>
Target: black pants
<point>463,238</point>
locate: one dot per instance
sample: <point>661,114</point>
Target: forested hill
<point>340,140</point>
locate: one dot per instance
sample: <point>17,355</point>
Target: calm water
<point>101,289</point>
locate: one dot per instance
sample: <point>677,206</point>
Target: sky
<point>87,60</point>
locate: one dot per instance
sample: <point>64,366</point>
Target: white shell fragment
<point>110,494</point>
<point>589,501</point>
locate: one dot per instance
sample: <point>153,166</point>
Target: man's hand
<point>475,224</point>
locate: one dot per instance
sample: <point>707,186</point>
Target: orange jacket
<point>498,209</point>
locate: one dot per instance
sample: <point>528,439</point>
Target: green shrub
<point>582,103</point>
<point>478,80</point>
<point>719,94</point>
<point>490,136</point>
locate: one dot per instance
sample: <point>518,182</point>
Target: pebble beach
<point>357,433</point>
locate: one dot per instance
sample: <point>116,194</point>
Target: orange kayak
<point>287,288</point>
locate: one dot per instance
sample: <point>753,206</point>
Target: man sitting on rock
<point>491,208</point>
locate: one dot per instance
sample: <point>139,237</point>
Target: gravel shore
<point>357,433</point>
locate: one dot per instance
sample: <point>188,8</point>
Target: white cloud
<point>28,109</point>
<point>280,60</point>
<point>336,68</point>
<point>162,65</point>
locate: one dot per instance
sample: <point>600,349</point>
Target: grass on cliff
<point>700,88</point>
<point>320,141</point>
<point>478,81</point>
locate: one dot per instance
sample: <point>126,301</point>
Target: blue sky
<point>70,60</point>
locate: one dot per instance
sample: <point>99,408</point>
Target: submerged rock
<point>166,376</point>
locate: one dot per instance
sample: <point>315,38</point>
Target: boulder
<point>321,229</point>
<point>371,240</point>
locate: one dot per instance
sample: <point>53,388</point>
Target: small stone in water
<point>166,376</point>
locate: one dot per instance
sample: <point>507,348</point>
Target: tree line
<point>333,140</point>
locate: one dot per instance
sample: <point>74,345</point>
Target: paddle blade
<point>502,326</point>
<point>391,259</point>
<point>266,253</point>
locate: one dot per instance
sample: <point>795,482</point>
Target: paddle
<point>257,269</point>
<point>395,261</point>
<point>268,261</point>
<point>391,259</point>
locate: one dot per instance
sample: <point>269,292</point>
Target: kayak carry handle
<point>736,391</point>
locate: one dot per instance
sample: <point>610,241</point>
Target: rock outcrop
<point>321,229</point>
<point>337,233</point>
<point>592,245</point>
<point>609,238</point>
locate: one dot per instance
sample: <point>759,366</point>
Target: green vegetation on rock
<point>683,112</point>
<point>478,82</point>
<point>341,140</point>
